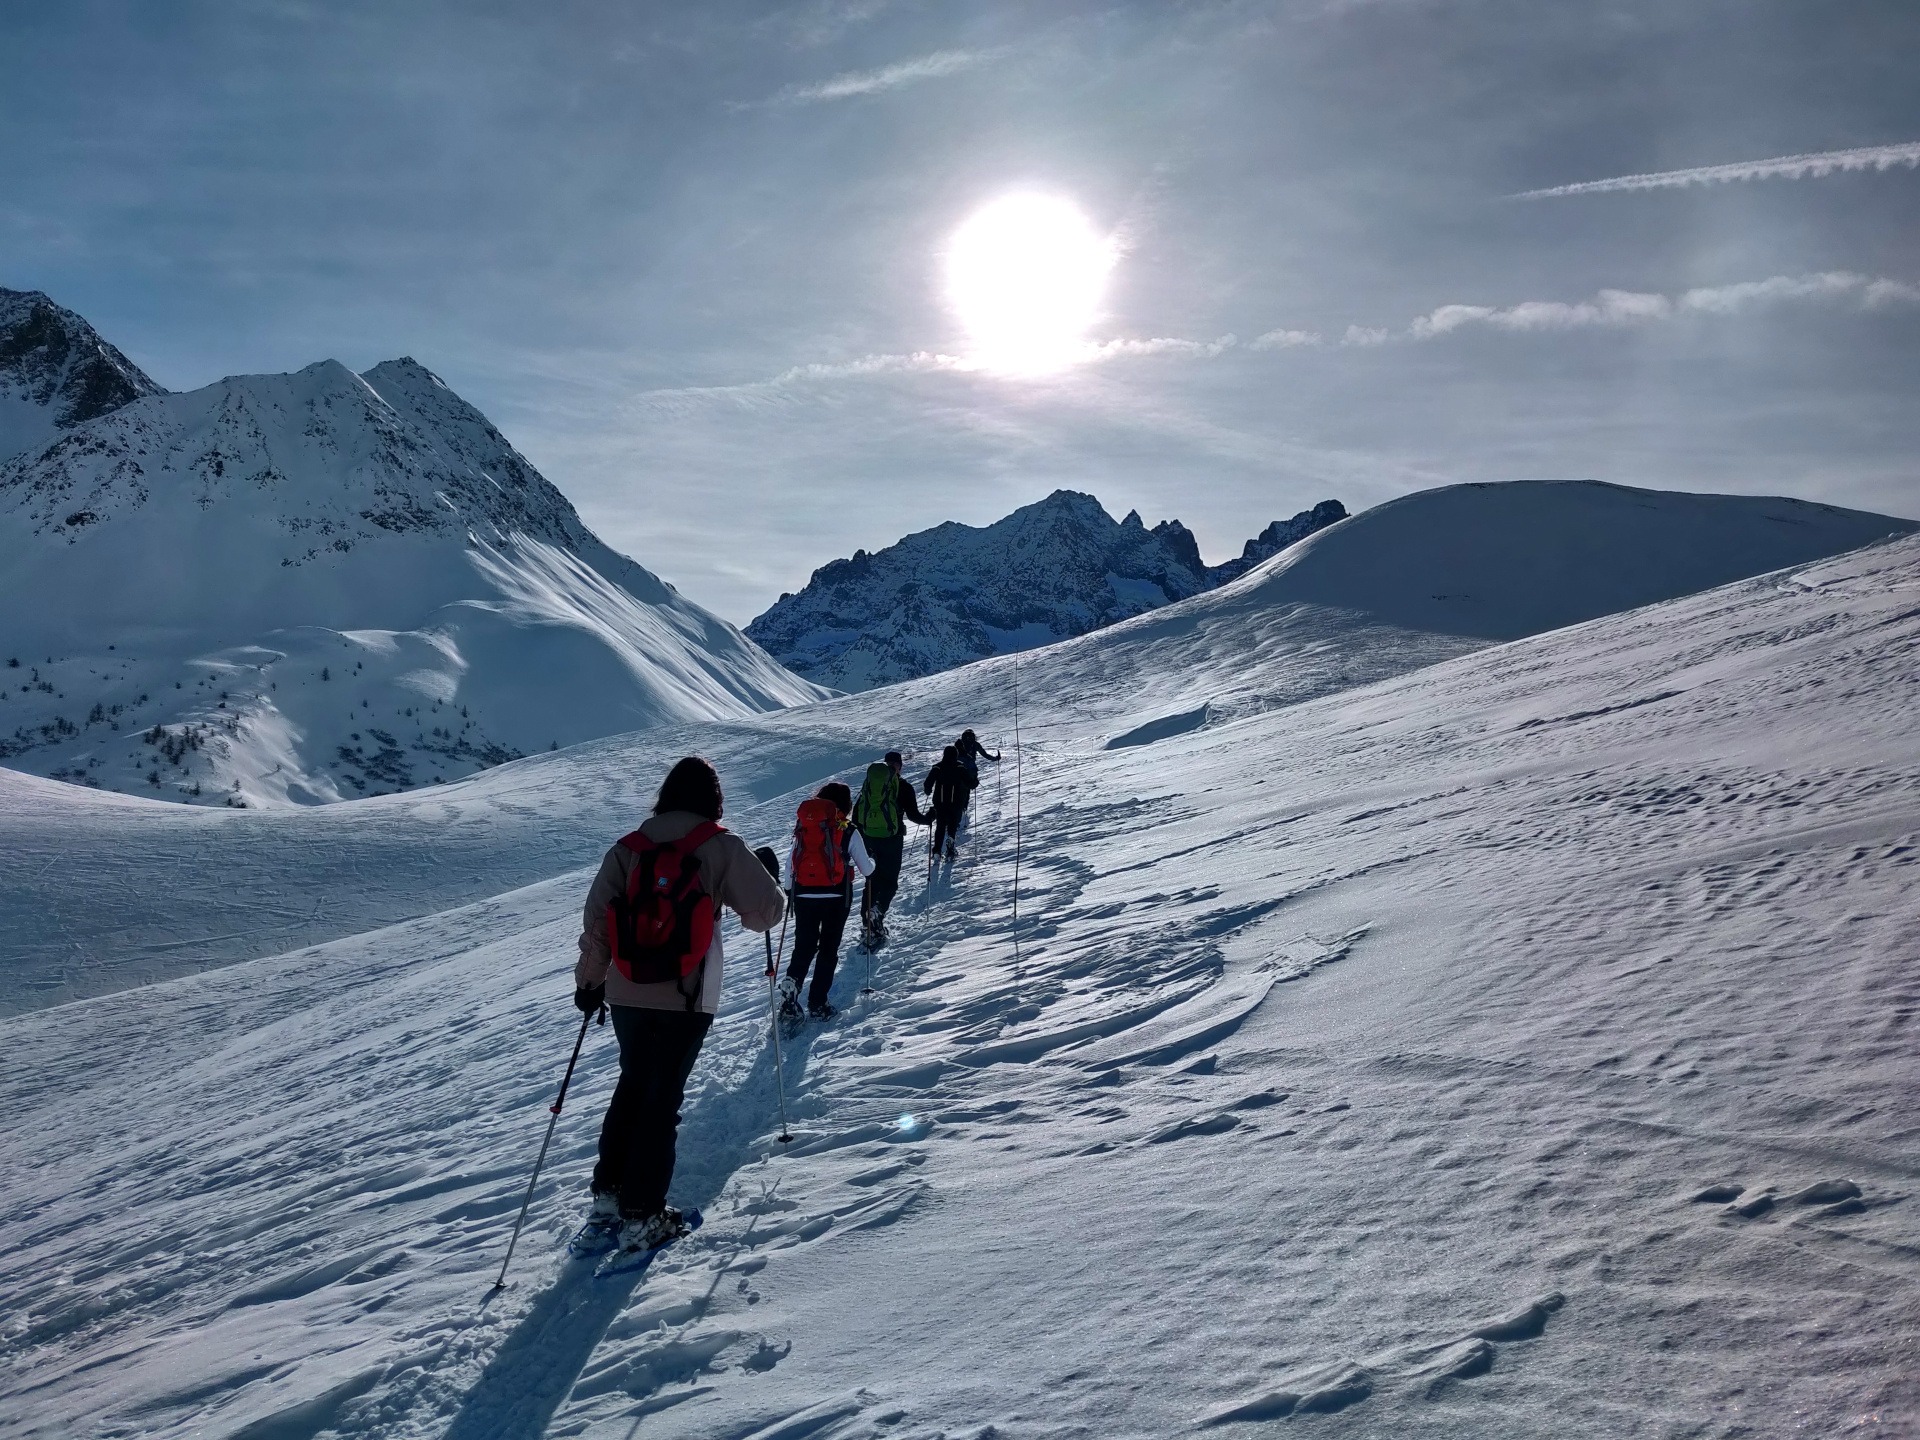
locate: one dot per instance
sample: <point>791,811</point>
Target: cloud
<point>1782,167</point>
<point>1164,345</point>
<point>1609,307</point>
<point>1605,309</point>
<point>888,77</point>
<point>1613,308</point>
<point>1283,340</point>
<point>921,362</point>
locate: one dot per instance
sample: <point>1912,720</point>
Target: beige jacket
<point>728,872</point>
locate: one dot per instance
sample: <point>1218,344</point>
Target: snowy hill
<point>1518,1046</point>
<point>1406,585</point>
<point>56,372</point>
<point>308,586</point>
<point>956,593</point>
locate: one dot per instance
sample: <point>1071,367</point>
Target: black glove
<point>767,858</point>
<point>588,999</point>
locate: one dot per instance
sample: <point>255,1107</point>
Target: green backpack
<point>876,813</point>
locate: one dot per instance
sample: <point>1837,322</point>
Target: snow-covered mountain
<point>1056,568</point>
<point>1424,579</point>
<point>1518,1046</point>
<point>308,586</point>
<point>56,372</point>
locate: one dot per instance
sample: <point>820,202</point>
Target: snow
<point>323,585</point>
<point>1437,1038</point>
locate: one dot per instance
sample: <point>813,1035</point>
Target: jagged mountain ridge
<point>311,586</point>
<point>1054,569</point>
<point>56,372</point>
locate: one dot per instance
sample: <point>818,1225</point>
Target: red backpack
<point>661,928</point>
<point>819,860</point>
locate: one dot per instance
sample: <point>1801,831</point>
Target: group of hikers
<point>650,952</point>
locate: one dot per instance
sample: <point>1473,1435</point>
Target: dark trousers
<point>885,879</point>
<point>946,824</point>
<point>657,1051</point>
<point>818,923</point>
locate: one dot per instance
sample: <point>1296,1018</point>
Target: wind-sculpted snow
<point>308,587</point>
<point>1057,568</point>
<point>1517,1046</point>
<point>56,372</point>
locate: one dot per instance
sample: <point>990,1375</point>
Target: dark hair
<point>893,758</point>
<point>839,794</point>
<point>690,785</point>
<point>952,753</point>
<point>967,735</point>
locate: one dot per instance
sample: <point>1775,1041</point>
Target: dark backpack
<point>819,859</point>
<point>877,811</point>
<point>662,927</point>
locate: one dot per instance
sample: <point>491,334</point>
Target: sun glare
<point>1025,276</point>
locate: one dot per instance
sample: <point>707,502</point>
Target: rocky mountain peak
<point>56,372</point>
<point>943,597</point>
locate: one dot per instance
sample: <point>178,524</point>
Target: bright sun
<point>1025,275</point>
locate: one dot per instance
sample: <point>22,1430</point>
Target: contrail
<point>1784,167</point>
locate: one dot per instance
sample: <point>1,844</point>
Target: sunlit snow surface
<point>1363,1061</point>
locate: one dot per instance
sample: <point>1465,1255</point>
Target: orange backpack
<point>819,858</point>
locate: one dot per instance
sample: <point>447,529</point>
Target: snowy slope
<point>1516,1047</point>
<point>56,372</point>
<point>956,593</point>
<point>1405,585</point>
<point>308,586</point>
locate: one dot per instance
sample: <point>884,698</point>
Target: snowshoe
<point>789,999</point>
<point>642,1239</point>
<point>826,1010</point>
<point>601,1232</point>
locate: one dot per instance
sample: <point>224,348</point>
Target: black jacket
<point>909,805</point>
<point>948,785</point>
<point>971,749</point>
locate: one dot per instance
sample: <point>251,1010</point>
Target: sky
<point>690,257</point>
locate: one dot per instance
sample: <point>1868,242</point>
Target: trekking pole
<point>1019,773</point>
<point>773,1027</point>
<point>533,1179</point>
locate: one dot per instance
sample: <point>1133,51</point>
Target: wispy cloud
<point>1781,167</point>
<point>921,362</point>
<point>1164,345</point>
<point>856,83</point>
<point>1284,340</point>
<point>1605,309</point>
<point>1609,307</point>
<point>1613,308</point>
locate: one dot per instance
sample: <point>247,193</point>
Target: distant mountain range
<point>957,593</point>
<point>309,587</point>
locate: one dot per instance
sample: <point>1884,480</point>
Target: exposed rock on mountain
<point>56,372</point>
<point>956,593</point>
<point>1278,536</point>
